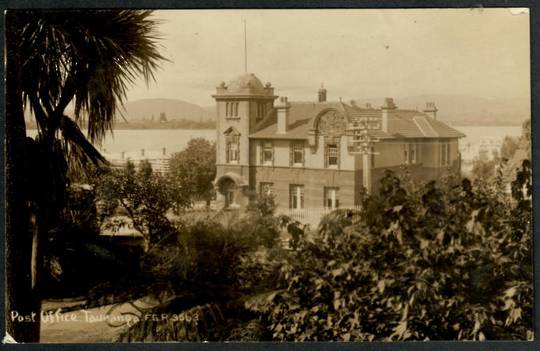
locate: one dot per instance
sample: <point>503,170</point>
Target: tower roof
<point>246,82</point>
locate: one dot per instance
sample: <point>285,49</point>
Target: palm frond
<point>89,57</point>
<point>80,153</point>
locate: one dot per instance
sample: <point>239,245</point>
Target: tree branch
<point>40,115</point>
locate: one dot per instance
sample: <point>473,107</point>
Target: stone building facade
<point>306,153</point>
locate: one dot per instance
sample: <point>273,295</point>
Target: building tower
<point>240,105</point>
<point>322,94</point>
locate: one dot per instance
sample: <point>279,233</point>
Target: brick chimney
<point>386,110</point>
<point>282,106</point>
<point>431,110</point>
<point>322,94</point>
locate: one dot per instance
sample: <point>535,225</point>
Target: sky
<point>355,53</point>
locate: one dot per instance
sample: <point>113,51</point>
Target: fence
<point>311,216</point>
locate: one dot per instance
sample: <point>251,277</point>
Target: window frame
<point>296,196</point>
<point>297,147</point>
<point>410,154</point>
<point>260,111</point>
<point>233,140</point>
<point>328,156</point>
<point>334,199</point>
<point>231,110</point>
<point>444,154</point>
<point>267,146</point>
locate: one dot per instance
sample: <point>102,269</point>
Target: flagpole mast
<point>245,47</point>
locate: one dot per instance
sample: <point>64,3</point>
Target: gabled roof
<point>401,123</point>
<point>299,118</point>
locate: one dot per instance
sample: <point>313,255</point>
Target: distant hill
<point>466,110</point>
<point>455,110</point>
<point>173,109</point>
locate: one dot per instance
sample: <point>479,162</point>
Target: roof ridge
<point>428,123</point>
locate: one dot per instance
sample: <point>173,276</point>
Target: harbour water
<point>168,141</point>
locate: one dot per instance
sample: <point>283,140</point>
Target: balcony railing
<point>311,215</point>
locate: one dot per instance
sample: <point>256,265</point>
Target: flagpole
<point>245,47</point>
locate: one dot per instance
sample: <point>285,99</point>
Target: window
<point>229,190</point>
<point>332,155</point>
<point>231,109</point>
<point>406,154</point>
<point>266,188</point>
<point>410,153</point>
<point>297,154</point>
<point>260,110</point>
<point>233,149</point>
<point>444,154</point>
<point>331,199</point>
<point>296,196</point>
<point>267,153</point>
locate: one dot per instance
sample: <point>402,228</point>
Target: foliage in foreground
<point>436,263</point>
<point>450,264</point>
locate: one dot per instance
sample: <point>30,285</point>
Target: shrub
<point>143,196</point>
<point>209,267</point>
<point>441,264</point>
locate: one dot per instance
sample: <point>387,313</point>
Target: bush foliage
<point>440,264</point>
<point>441,261</point>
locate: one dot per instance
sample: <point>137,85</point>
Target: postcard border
<point>311,4</point>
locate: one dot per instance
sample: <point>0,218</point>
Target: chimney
<point>353,104</point>
<point>387,109</point>
<point>431,110</point>
<point>164,151</point>
<point>123,154</point>
<point>142,152</point>
<point>282,107</point>
<point>322,94</point>
<point>368,105</point>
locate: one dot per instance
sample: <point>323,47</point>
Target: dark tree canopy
<point>54,59</point>
<point>195,168</point>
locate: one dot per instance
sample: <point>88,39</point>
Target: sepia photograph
<point>250,175</point>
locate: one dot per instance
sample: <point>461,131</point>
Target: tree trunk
<point>21,298</point>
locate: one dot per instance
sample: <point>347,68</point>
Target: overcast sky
<point>356,53</point>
